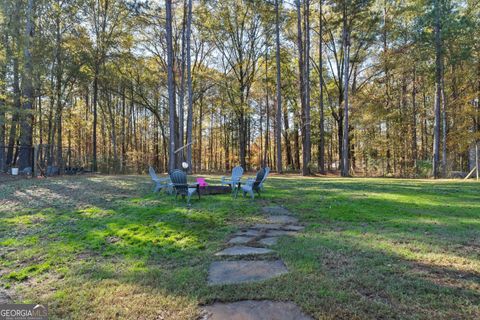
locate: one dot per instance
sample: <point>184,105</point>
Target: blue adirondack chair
<point>160,183</point>
<point>181,187</point>
<point>233,181</point>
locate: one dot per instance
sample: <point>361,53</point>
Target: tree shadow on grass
<point>160,234</point>
<point>329,277</point>
<point>68,193</point>
<point>156,244</point>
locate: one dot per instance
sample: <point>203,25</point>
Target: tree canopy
<point>365,87</point>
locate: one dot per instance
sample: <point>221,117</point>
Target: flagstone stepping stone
<point>231,272</point>
<point>282,219</point>
<point>269,241</point>
<point>241,240</point>
<point>267,226</point>
<point>249,232</point>
<point>242,251</point>
<point>254,310</point>
<point>279,233</point>
<point>276,210</point>
<point>290,227</point>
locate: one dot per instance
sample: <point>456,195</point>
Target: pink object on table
<point>201,182</point>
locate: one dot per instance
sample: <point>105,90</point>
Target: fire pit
<point>215,190</point>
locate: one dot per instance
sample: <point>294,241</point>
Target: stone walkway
<point>254,242</point>
<point>254,310</point>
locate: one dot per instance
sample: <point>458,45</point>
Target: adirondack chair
<point>181,187</point>
<point>267,171</point>
<point>160,183</point>
<point>255,185</point>
<point>233,181</point>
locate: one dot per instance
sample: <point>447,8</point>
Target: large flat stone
<point>282,219</point>
<point>249,232</point>
<point>241,240</point>
<point>231,272</point>
<point>269,241</point>
<point>242,251</point>
<point>267,226</point>
<point>291,227</point>
<point>279,233</point>
<point>276,210</point>
<point>254,310</point>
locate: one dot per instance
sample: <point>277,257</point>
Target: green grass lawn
<point>103,247</point>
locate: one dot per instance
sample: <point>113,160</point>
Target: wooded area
<point>359,87</point>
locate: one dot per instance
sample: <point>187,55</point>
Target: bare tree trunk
<point>181,98</point>
<point>123,160</point>
<point>438,93</point>
<point>190,89</point>
<point>424,127</point>
<point>171,89</point>
<point>199,138</point>
<point>16,89</point>
<point>278,132</point>
<point>404,126</point>
<point>210,142</point>
<point>267,113</point>
<point>164,136</point>
<point>113,133</point>
<point>477,127</point>
<point>387,83</point>
<point>330,151</point>
<point>226,139</point>
<point>105,148</point>
<point>345,145</point>
<point>414,121</point>
<point>95,120</point>
<point>58,91</point>
<point>321,142</point>
<point>444,128</point>
<point>100,29</point>
<point>306,148</point>
<point>302,73</point>
<point>288,148</point>
<point>3,91</point>
<point>338,116</point>
<point>243,139</point>
<point>296,145</point>
<point>260,132</point>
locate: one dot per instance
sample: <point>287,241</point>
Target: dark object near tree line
<point>53,171</point>
<point>74,170</point>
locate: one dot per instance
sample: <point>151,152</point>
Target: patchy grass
<point>106,247</point>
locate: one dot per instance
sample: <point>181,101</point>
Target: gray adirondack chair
<point>255,185</point>
<point>181,187</point>
<point>160,183</point>
<point>267,171</point>
<point>233,181</point>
